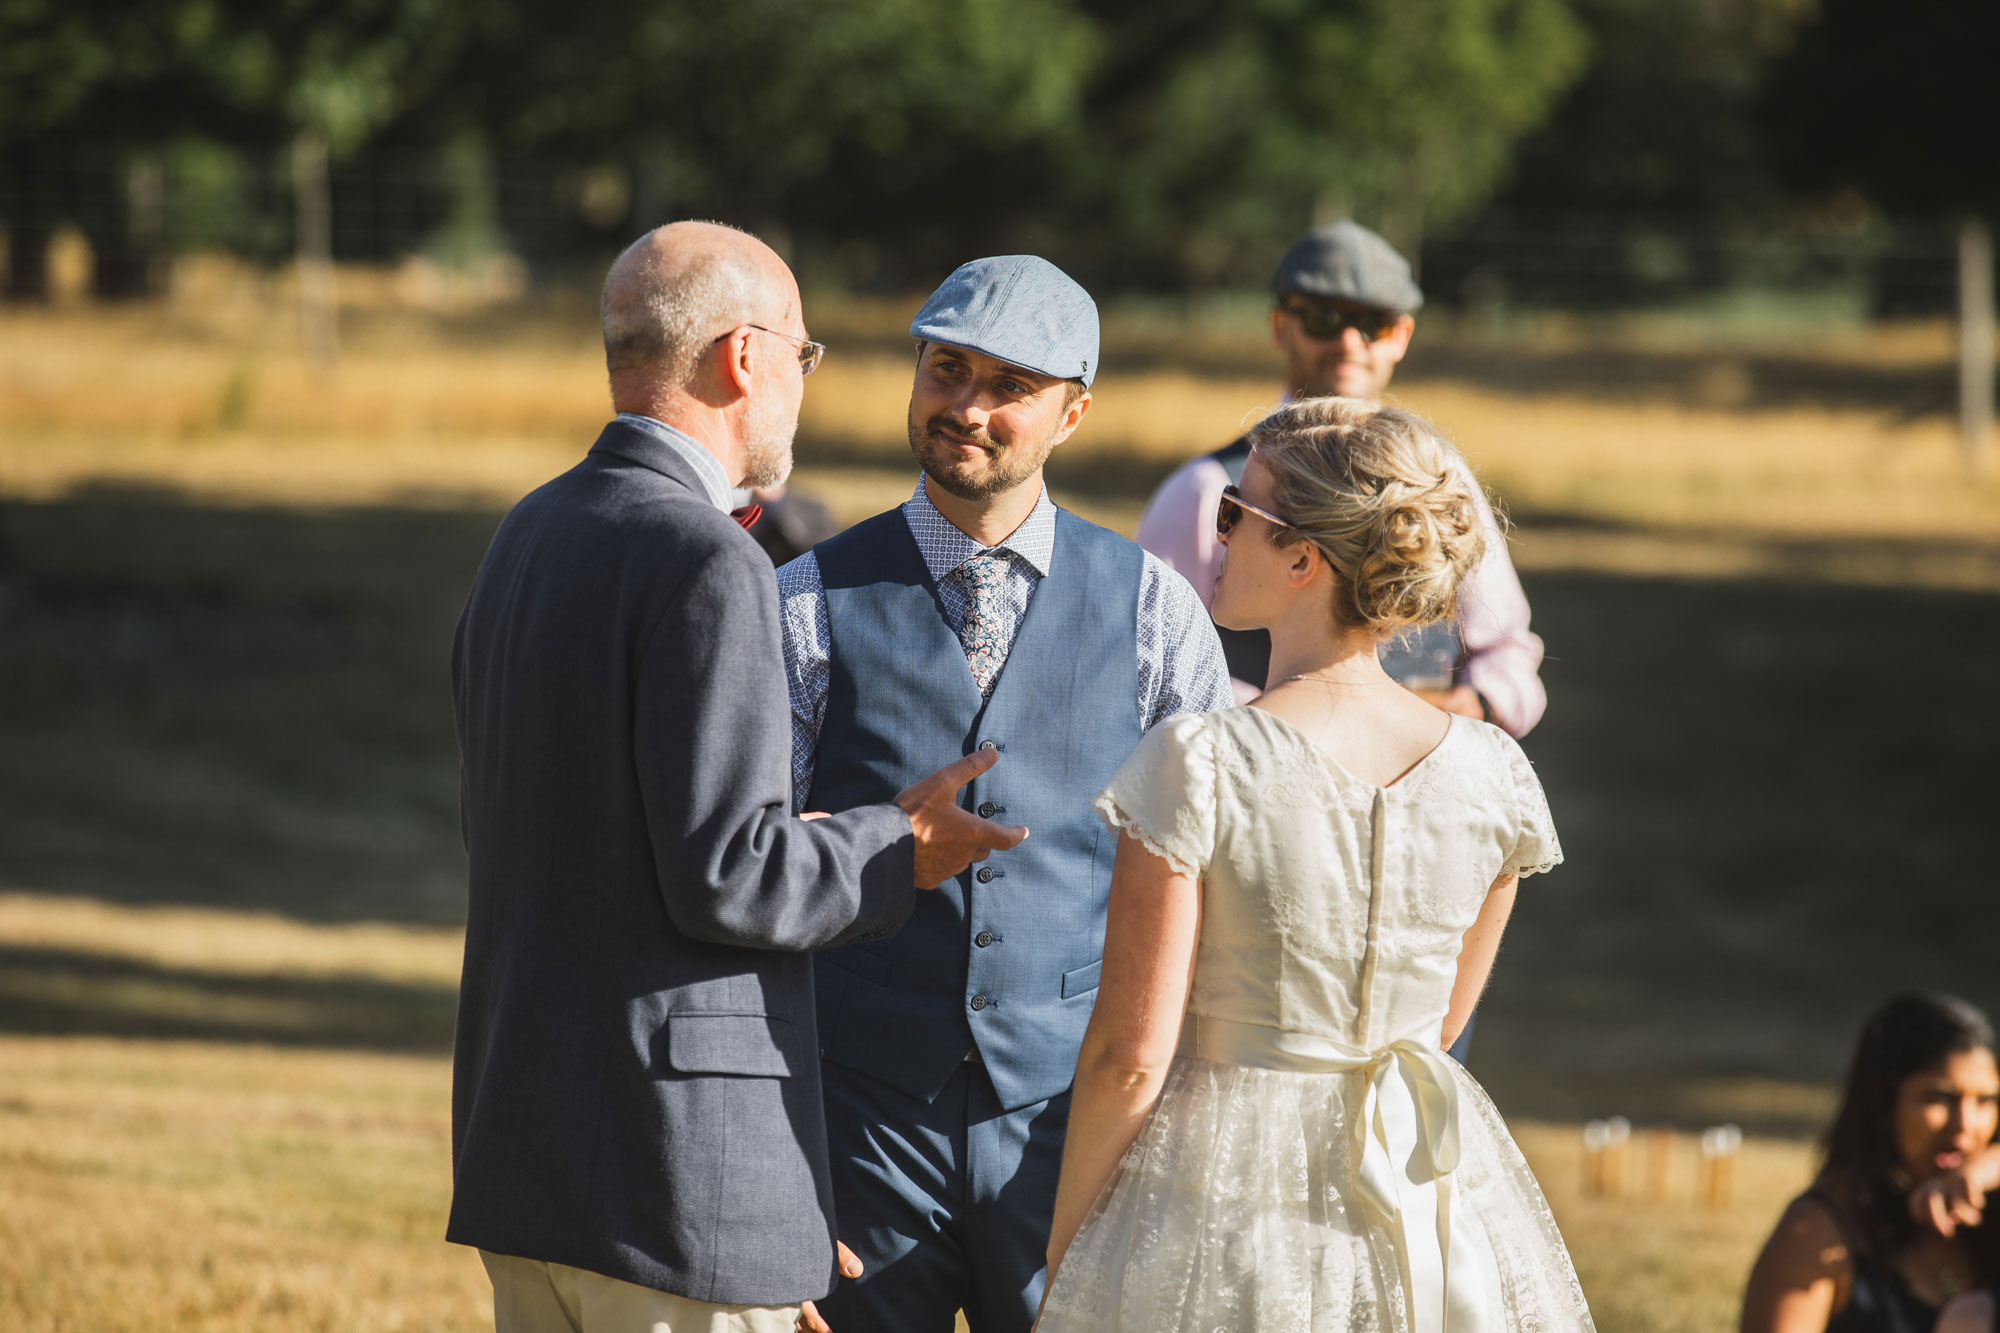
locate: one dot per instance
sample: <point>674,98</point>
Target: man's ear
<point>736,361</point>
<point>1073,417</point>
<point>1278,318</point>
<point>1399,338</point>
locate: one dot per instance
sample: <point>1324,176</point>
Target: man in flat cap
<point>1344,313</point>
<point>977,616</point>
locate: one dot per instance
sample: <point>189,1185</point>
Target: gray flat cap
<point>1347,262</point>
<point>1020,309</point>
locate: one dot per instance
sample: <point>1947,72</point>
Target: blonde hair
<point>1384,497</point>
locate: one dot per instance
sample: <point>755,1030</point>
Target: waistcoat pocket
<point>1082,980</point>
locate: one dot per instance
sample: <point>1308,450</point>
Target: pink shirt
<point>1503,657</point>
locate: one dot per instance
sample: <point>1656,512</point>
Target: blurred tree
<point>803,119</point>
<point>1162,142</point>
<point>1897,103</point>
<point>91,89</point>
<point>1217,133</point>
<point>1665,119</point>
<point>326,74</point>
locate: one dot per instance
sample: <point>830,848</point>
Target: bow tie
<point>748,515</point>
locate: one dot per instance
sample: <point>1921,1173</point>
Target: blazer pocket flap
<point>758,1045</point>
<point>1081,980</point>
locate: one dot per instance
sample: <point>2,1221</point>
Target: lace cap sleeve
<point>1164,794</point>
<point>1536,847</point>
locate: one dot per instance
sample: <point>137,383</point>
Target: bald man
<point>637,1134</point>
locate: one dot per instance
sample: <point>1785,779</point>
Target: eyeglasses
<point>1325,323</point>
<point>1229,512</point>
<point>810,352</point>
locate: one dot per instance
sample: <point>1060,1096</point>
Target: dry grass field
<point>1657,458</point>
<point>230,886</point>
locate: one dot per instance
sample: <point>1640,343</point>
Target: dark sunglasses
<point>1324,323</point>
<point>1229,512</point>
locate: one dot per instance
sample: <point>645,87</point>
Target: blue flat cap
<point>1020,309</point>
<point>1347,262</point>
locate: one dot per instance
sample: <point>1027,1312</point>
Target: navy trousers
<point>946,1203</point>
<point>1461,1050</point>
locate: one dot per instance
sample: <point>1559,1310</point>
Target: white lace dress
<point>1314,1161</point>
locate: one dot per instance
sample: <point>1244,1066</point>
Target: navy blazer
<point>635,1085</point>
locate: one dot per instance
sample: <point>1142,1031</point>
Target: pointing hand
<point>950,838</point>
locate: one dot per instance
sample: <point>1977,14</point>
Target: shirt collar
<point>714,481</point>
<point>945,547</point>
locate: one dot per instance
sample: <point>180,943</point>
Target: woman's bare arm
<point>1476,953</point>
<point>1800,1279</point>
<point>1149,941</point>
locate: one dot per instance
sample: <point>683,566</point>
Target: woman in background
<point>1889,1239</point>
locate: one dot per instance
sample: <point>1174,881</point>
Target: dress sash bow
<point>1406,1142</point>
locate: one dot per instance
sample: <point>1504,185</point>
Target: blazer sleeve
<point>714,750</point>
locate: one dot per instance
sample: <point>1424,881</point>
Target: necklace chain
<point>1322,678</point>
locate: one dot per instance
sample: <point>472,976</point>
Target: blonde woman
<point>1309,892</point>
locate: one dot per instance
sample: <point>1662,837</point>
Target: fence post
<point>319,331</point>
<point>1975,342</point>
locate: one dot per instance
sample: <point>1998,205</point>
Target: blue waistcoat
<point>1005,956</point>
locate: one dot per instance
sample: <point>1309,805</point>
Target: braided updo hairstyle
<point>1384,497</point>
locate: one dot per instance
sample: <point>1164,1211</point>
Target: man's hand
<point>1460,699</point>
<point>948,838</point>
<point>809,1320</point>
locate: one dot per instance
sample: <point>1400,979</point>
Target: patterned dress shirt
<point>1181,668</point>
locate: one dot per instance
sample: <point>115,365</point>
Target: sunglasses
<point>810,352</point>
<point>1324,323</point>
<point>1229,512</point>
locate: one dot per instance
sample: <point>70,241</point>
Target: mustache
<point>964,430</point>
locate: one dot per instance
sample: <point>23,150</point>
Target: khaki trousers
<point>534,1297</point>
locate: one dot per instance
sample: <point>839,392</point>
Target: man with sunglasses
<point>977,616</point>
<point>1344,313</point>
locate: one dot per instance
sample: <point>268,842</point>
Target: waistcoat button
<point>980,1002</point>
<point>985,875</point>
<point>987,809</point>
<point>983,938</point>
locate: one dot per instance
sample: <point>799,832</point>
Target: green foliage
<point>1222,132</point>
<point>1664,119</point>
<point>1171,140</point>
<point>1896,102</point>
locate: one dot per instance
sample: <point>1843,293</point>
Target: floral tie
<point>982,633</point>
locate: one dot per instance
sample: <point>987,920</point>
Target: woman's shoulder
<point>1810,1240</point>
<point>1483,753</point>
<point>1806,1257</point>
<point>1815,1217</point>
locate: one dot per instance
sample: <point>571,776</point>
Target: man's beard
<point>767,452</point>
<point>1011,464</point>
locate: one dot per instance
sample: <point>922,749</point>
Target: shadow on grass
<point>69,993</point>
